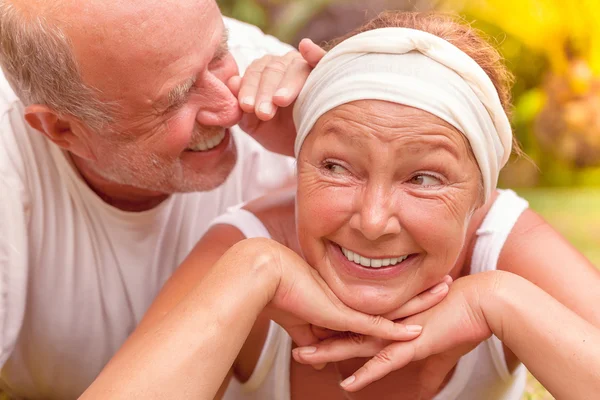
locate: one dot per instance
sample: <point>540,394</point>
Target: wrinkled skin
<point>384,180</point>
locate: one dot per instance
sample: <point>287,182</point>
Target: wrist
<point>499,298</point>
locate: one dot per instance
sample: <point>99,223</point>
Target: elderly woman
<point>402,131</point>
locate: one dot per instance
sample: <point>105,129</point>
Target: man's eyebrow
<point>178,94</point>
<point>223,48</point>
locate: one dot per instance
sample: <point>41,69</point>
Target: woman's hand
<point>304,305</point>
<point>457,323</point>
<point>267,92</point>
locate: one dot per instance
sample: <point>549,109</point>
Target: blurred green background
<point>552,47</point>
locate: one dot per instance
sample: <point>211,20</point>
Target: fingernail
<point>438,288</point>
<point>248,101</point>
<point>414,328</point>
<point>306,350</point>
<point>319,367</point>
<point>448,279</point>
<point>348,381</point>
<point>282,92</point>
<point>265,108</point>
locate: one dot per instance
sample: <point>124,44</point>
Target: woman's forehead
<point>388,122</point>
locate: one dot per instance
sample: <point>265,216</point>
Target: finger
<point>311,52</point>
<point>391,358</point>
<point>250,84</point>
<point>292,82</point>
<point>339,349</point>
<point>319,367</point>
<point>271,77</point>
<point>448,279</point>
<point>234,84</point>
<point>370,325</point>
<point>323,333</point>
<point>421,302</point>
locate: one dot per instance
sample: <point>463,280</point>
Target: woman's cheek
<point>433,227</point>
<point>323,210</point>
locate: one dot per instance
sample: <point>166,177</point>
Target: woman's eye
<point>425,180</point>
<point>335,168</point>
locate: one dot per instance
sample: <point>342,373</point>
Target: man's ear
<point>58,129</point>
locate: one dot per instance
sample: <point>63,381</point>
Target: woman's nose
<point>376,216</point>
<point>219,106</point>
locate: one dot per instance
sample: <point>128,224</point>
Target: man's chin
<point>195,182</point>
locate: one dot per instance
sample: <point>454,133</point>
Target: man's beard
<point>164,175</point>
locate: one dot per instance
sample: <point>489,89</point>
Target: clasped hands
<point>448,316</point>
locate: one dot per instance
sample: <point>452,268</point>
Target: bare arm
<point>535,251</point>
<point>561,349</point>
<point>187,345</point>
<point>188,351</point>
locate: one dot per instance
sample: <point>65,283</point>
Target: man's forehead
<point>104,12</point>
<point>129,53</point>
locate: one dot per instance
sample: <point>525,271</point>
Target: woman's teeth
<point>372,262</point>
<point>208,143</point>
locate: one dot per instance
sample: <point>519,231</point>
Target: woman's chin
<point>370,300</point>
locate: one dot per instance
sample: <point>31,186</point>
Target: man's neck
<point>123,197</point>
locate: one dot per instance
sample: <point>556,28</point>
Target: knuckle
<point>377,320</point>
<point>385,356</point>
<point>299,62</point>
<point>259,63</point>
<point>277,67</point>
<point>251,75</point>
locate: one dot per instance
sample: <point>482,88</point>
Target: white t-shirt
<point>77,275</point>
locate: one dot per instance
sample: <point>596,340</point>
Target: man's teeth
<point>372,262</point>
<point>208,143</point>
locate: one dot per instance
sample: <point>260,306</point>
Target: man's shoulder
<point>247,43</point>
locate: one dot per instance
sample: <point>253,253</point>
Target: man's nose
<point>376,215</point>
<point>219,106</point>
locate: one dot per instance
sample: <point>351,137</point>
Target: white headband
<point>417,69</point>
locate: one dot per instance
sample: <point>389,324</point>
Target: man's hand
<point>457,323</point>
<point>268,91</point>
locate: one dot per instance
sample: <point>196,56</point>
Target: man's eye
<point>425,180</point>
<point>335,168</point>
<point>219,56</point>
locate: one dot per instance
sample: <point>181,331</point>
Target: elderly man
<point>138,151</point>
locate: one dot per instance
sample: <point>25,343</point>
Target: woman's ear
<point>58,129</point>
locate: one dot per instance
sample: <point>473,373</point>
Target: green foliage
<point>552,47</point>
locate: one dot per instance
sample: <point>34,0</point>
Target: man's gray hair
<point>38,62</point>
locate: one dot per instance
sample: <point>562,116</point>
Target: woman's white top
<point>480,374</point>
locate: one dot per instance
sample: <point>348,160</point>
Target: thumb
<point>234,83</point>
<point>302,335</point>
<point>311,52</point>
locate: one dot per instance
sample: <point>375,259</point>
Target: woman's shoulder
<point>276,211</point>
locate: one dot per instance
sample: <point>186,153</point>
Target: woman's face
<point>390,187</point>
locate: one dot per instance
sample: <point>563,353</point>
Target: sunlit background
<point>552,47</point>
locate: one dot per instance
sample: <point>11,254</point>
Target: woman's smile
<point>383,267</point>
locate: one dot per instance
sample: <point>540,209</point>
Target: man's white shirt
<point>77,275</point>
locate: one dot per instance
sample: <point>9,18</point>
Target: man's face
<point>165,65</point>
